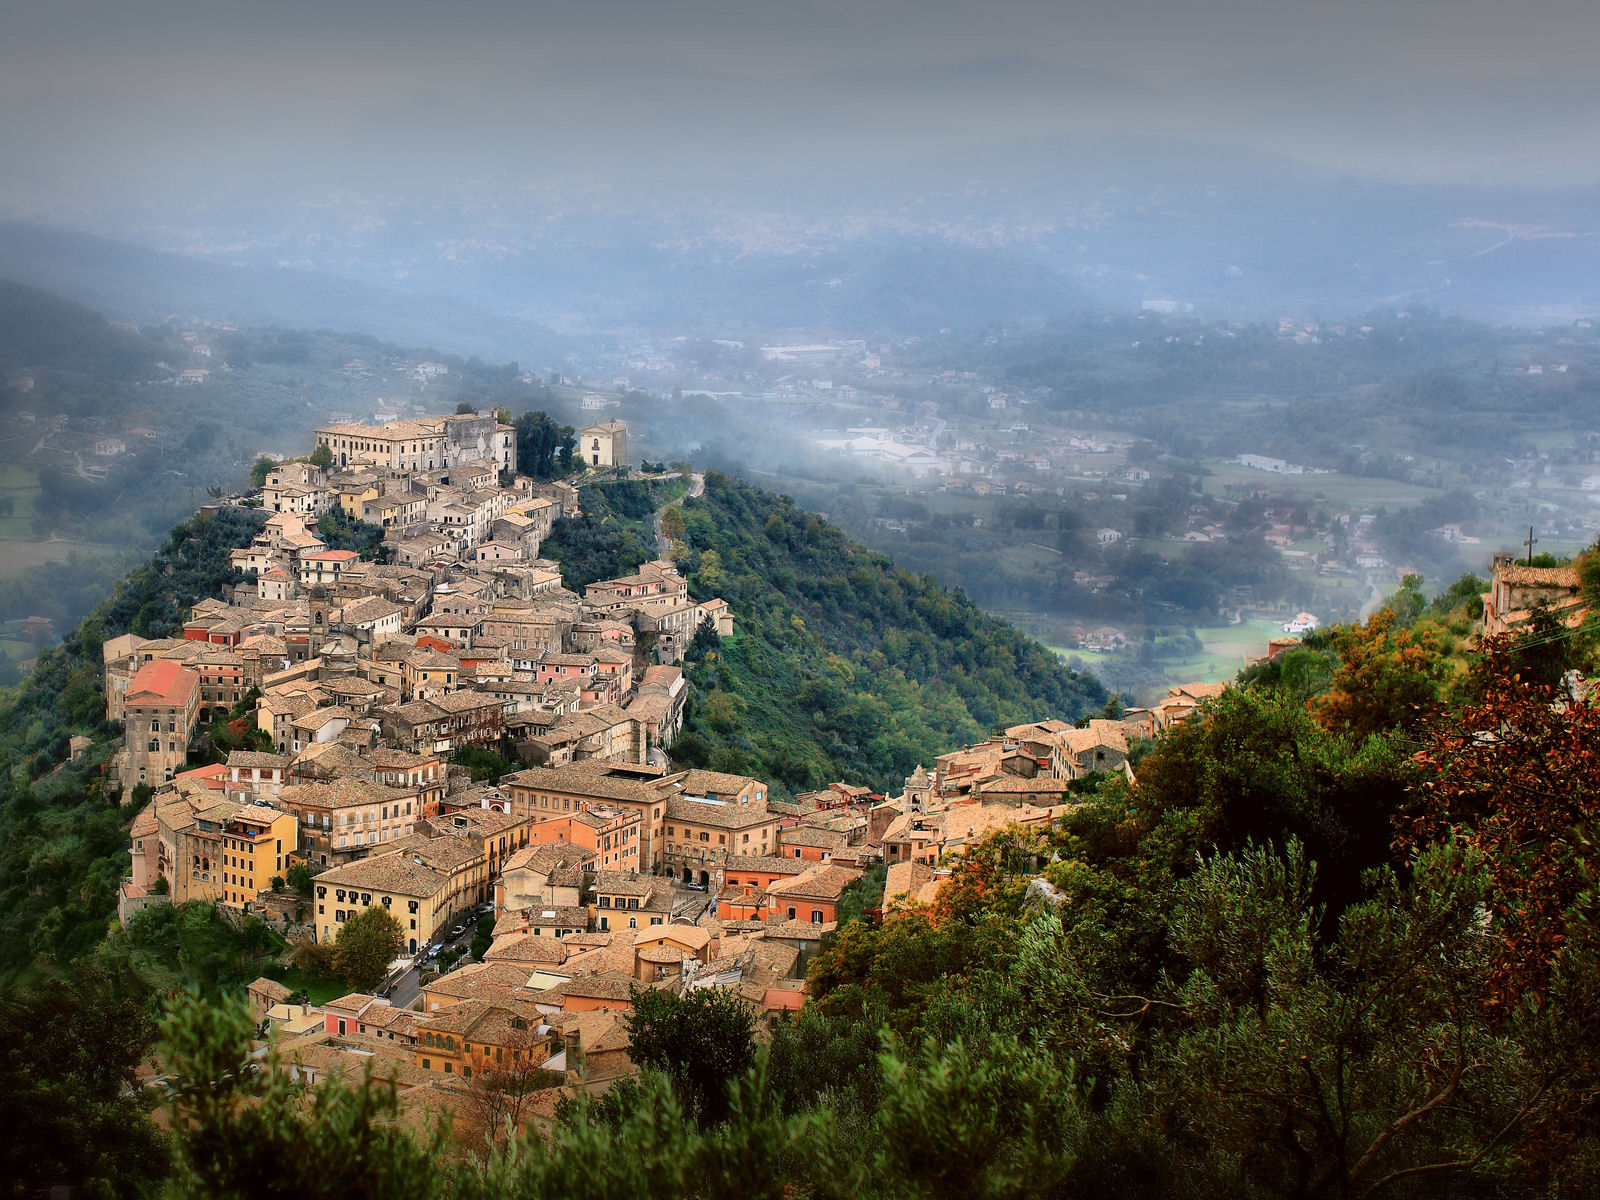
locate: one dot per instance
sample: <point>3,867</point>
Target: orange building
<point>812,896</point>
<point>612,833</point>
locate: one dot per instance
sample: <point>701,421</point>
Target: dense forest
<point>614,534</point>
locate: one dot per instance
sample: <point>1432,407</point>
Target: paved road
<point>408,987</point>
<point>697,486</point>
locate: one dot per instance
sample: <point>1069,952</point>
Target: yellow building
<point>425,886</point>
<point>256,844</point>
<point>354,495</point>
<point>604,445</point>
<point>484,1035</point>
<point>414,893</point>
<point>397,446</point>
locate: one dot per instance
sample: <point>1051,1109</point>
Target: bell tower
<point>319,627</point>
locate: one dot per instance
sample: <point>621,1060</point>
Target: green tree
<point>956,1122</point>
<point>322,456</point>
<point>259,472</point>
<point>250,1129</point>
<point>544,448</point>
<point>300,878</point>
<point>72,1107</point>
<point>1364,1067</point>
<point>482,937</point>
<point>702,1041</point>
<point>367,943</point>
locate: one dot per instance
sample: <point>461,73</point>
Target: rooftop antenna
<point>1531,543</point>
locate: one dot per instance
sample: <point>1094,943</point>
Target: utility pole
<point>1531,543</point>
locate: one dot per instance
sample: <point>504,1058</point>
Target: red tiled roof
<point>162,681</point>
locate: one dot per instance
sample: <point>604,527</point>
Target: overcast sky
<point>153,45</point>
<point>91,90</point>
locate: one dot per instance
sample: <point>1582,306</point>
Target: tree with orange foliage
<point>1388,677</point>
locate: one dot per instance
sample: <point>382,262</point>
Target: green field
<point>1226,649</point>
<point>20,486</point>
<point>318,988</point>
<point>1356,491</point>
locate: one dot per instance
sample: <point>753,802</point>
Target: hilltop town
<point>363,689</point>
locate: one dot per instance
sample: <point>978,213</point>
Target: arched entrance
<point>688,875</point>
<point>705,879</point>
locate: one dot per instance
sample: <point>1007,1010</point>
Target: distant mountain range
<point>132,283</point>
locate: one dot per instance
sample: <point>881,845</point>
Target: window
<point>816,916</point>
<point>633,922</point>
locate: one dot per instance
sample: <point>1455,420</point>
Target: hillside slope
<point>63,840</point>
<point>843,665</point>
<point>143,285</point>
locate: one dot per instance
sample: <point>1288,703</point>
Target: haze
<point>576,165</point>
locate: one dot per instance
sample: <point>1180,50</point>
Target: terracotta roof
<point>582,782</point>
<point>529,948</point>
<point>548,857</point>
<point>772,864</point>
<point>803,930</point>
<point>163,682</point>
<point>271,989</point>
<point>820,883</point>
<point>480,979</point>
<point>721,815</point>
<point>1543,577</point>
<point>805,835</point>
<point>390,872</point>
<point>255,758</point>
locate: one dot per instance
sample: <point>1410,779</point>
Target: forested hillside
<point>843,665</point>
<point>63,840</point>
